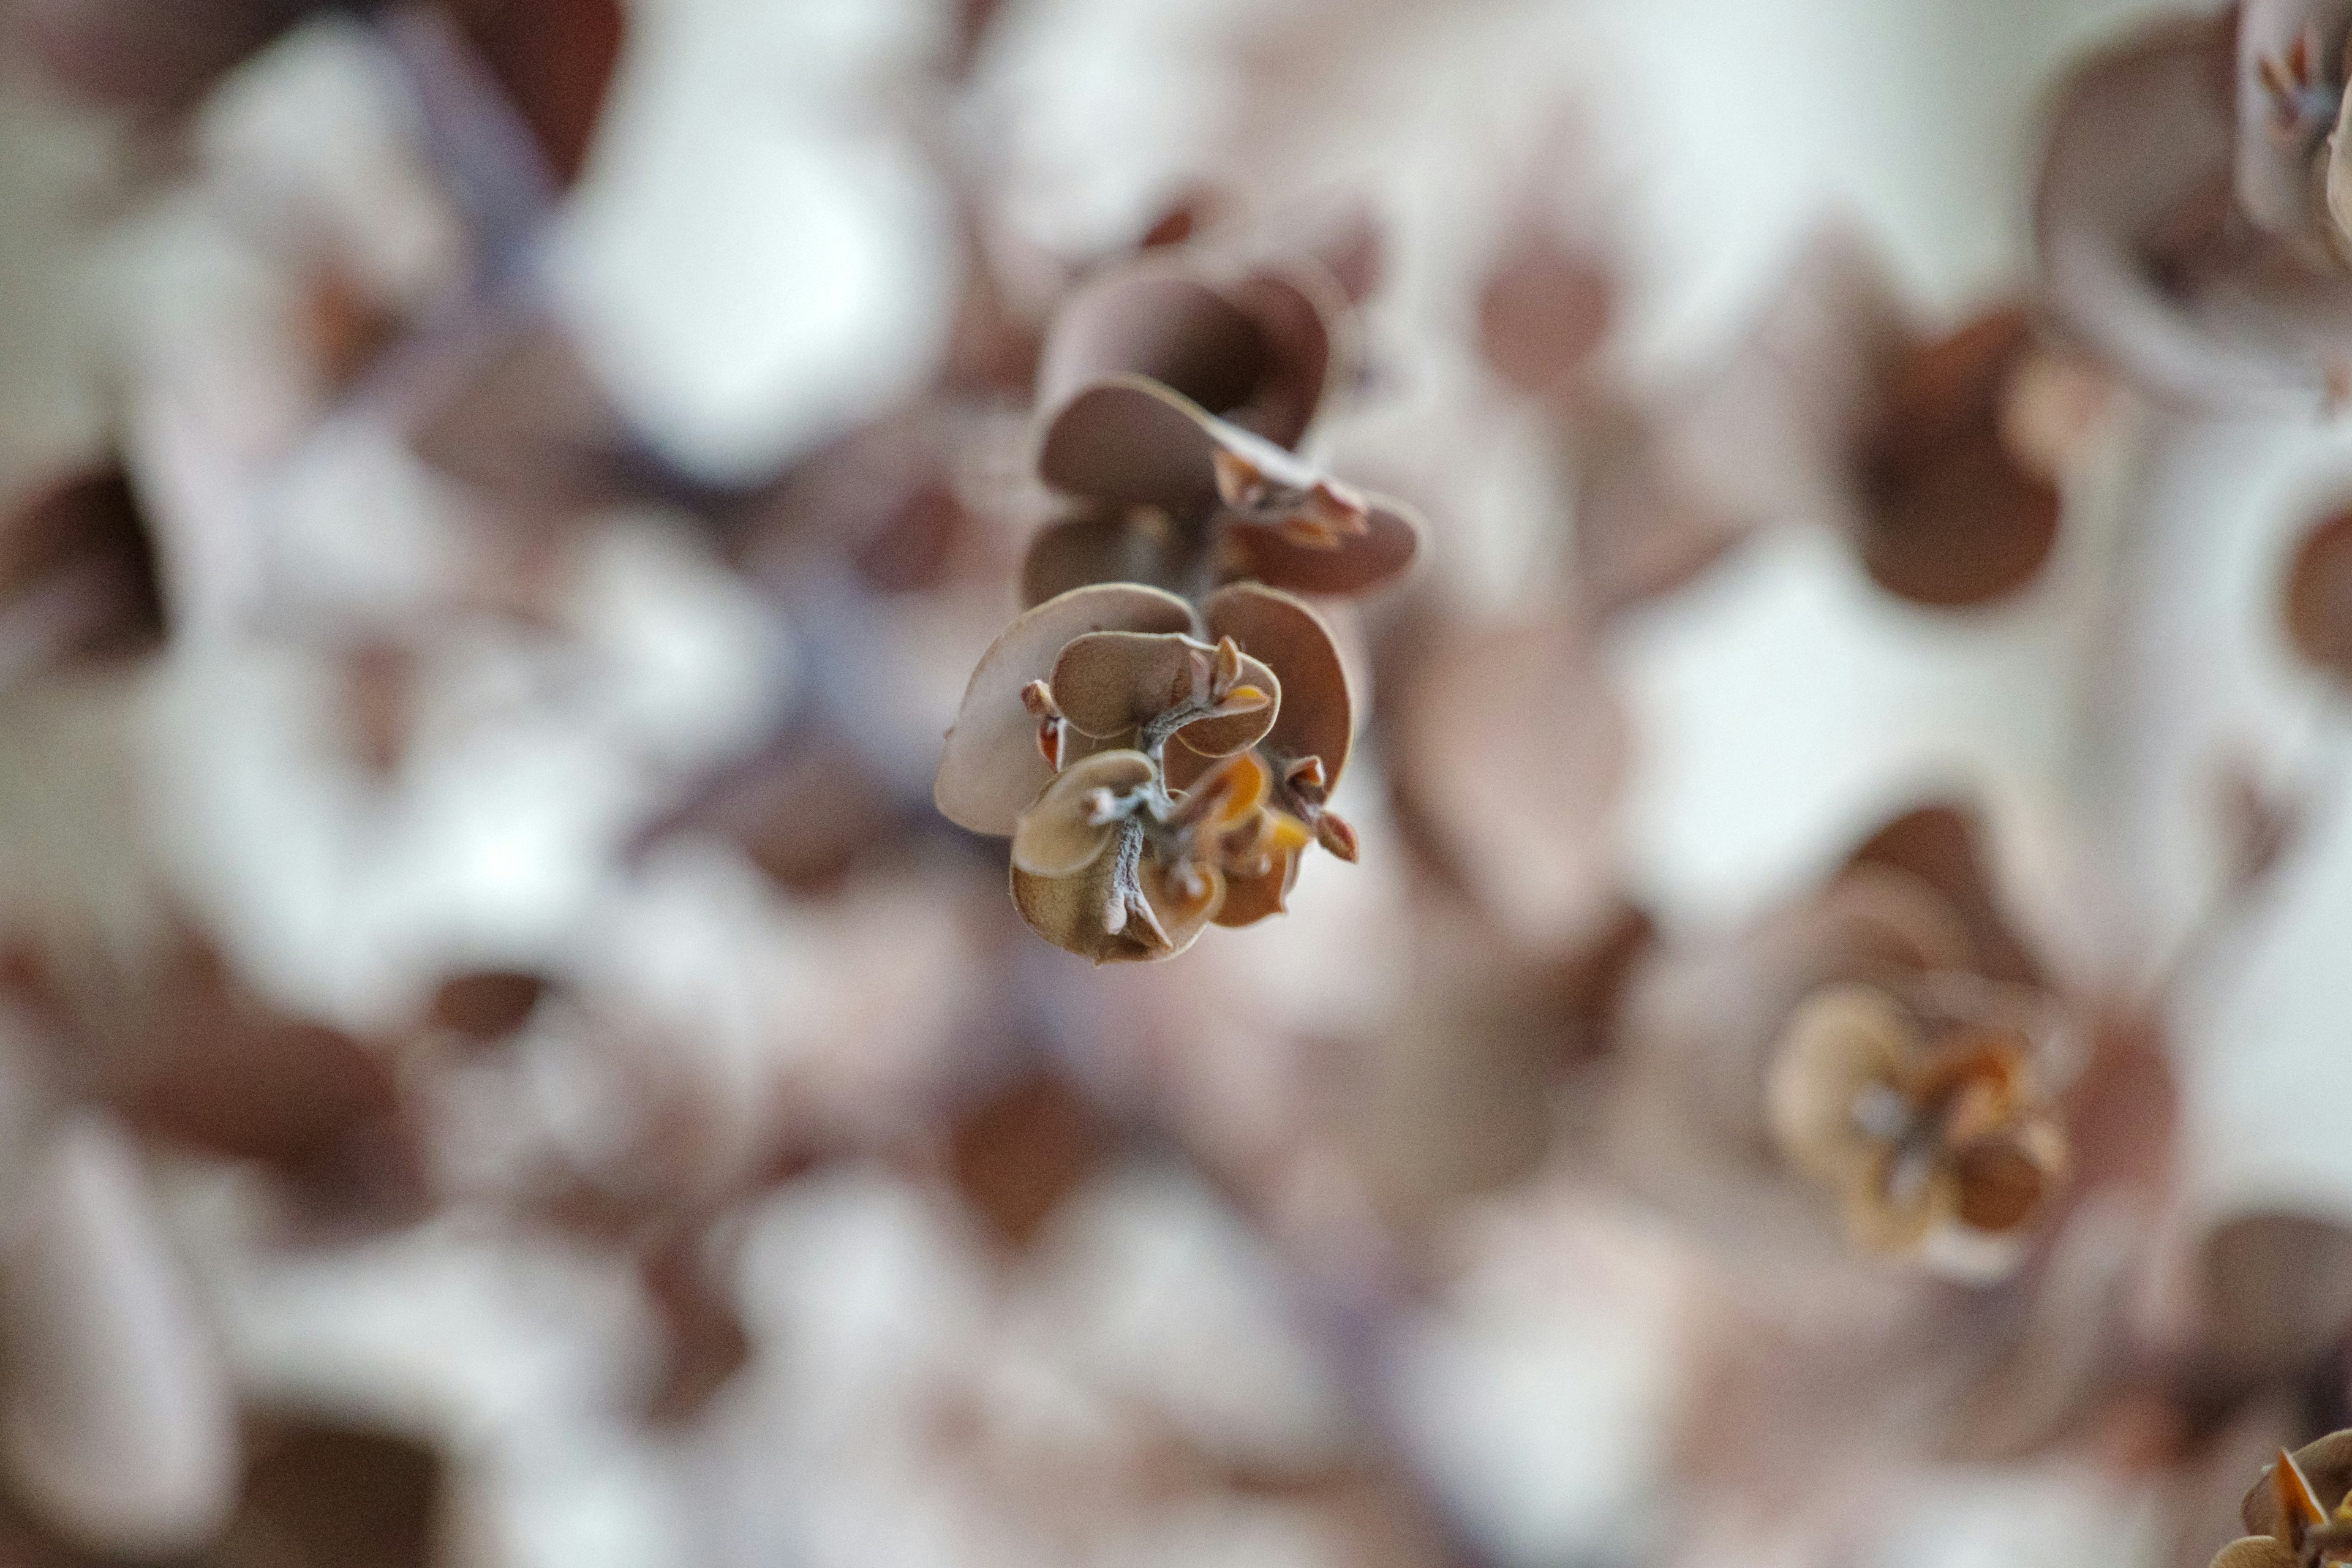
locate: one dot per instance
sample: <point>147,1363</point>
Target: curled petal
<point>1258,350</point>
<point>2324,1471</point>
<point>1131,441</point>
<point>1059,834</point>
<point>1251,899</point>
<point>1840,1041</point>
<point>1317,715</point>
<point>1112,683</point>
<point>2255,1552</point>
<point>1096,915</point>
<point>1345,562</point>
<point>991,768</point>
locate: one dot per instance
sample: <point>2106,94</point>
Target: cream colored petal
<point>1053,837</point>
<point>991,768</point>
<point>1839,1040</point>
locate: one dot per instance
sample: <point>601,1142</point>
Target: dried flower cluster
<point>1154,782</point>
<point>556,556</point>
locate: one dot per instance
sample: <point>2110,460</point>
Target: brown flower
<point>1172,401</point>
<point>2295,1515</point>
<point>1916,1115</point>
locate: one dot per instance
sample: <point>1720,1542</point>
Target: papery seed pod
<point>991,770</point>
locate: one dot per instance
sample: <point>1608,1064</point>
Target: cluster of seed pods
<point>1160,731</point>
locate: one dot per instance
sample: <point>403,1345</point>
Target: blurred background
<point>502,1065</point>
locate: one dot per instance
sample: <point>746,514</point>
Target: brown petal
<point>1840,1039</point>
<point>1951,517</point>
<point>1022,1151</point>
<point>2318,607</point>
<point>2003,1181</point>
<point>1941,846</point>
<point>1068,911</point>
<point>321,1492</point>
<point>1108,683</point>
<point>1317,717</point>
<point>116,1423</point>
<point>1512,749</point>
<point>79,576</point>
<point>1544,308</point>
<point>1113,547</point>
<point>486,1005</point>
<point>991,768</point>
<point>1053,837</point>
<point>1111,683</point>
<point>1256,352</point>
<point>554,59</point>
<point>1358,564</point>
<point>1294,309</point>
<point>1159,321</point>
<point>2255,1552</point>
<point>1249,900</point>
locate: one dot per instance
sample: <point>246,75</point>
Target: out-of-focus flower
<point>1915,1122</point>
<point>2295,1515</point>
<point>1173,399</point>
<point>2191,213</point>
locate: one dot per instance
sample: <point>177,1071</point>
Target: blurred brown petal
<point>1134,547</point>
<point>992,769</point>
<point>554,59</point>
<point>1255,351</point>
<point>1941,846</point>
<point>1056,837</point>
<point>320,1494</point>
<point>1018,1153</point>
<point>1544,308</point>
<point>116,1423</point>
<point>208,1065</point>
<point>1952,516</point>
<point>79,576</point>
<point>487,1005</point>
<point>2276,1290</point>
<point>155,55</point>
<point>705,1342</point>
<point>1318,714</point>
<point>1512,748</point>
<point>526,423</point>
<point>2318,607</point>
<point>2137,223</point>
<point>2004,1179</point>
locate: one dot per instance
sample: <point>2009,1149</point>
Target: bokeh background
<point>504,1066</point>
